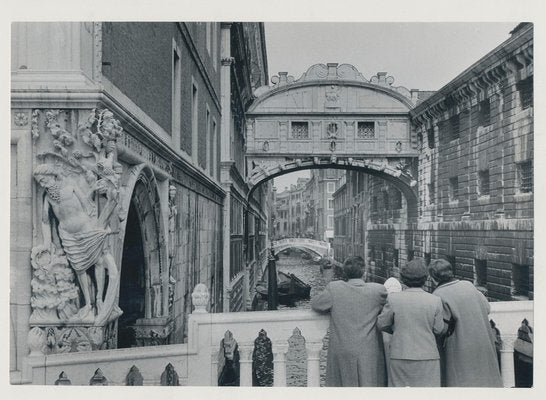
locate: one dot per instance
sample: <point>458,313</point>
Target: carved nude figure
<point>82,237</point>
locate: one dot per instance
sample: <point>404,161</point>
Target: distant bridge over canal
<point>318,247</point>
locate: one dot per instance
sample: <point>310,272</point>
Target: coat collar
<point>356,282</point>
<point>413,289</point>
<point>448,283</point>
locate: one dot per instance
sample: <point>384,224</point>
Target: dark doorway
<point>132,291</point>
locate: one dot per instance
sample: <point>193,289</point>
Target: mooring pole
<point>272,294</point>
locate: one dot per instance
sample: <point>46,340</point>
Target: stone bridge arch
<point>333,117</point>
<point>141,202</point>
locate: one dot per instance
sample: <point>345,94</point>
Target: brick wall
<point>475,181</point>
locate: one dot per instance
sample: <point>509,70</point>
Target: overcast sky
<point>422,56</point>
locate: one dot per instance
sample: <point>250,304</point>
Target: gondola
<point>289,287</point>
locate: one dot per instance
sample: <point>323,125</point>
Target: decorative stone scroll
<point>63,380</point>
<point>228,361</point>
<point>98,379</point>
<point>262,361</point>
<point>169,377</point>
<point>80,180</point>
<point>134,377</point>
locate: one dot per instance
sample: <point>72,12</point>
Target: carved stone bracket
<point>153,331</point>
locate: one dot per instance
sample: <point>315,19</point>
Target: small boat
<point>290,288</point>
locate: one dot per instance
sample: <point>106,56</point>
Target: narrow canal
<point>310,272</point>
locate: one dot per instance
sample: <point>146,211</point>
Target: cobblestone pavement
<point>296,359</point>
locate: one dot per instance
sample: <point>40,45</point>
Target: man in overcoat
<point>469,345</point>
<point>355,352</point>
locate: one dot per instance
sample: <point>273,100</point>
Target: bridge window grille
<point>484,115</point>
<point>483,178</point>
<point>525,176</point>
<point>395,258</point>
<point>525,88</point>
<point>453,188</point>
<point>520,280</point>
<point>300,130</point>
<point>366,130</point>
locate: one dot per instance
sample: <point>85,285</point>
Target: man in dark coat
<point>469,345</point>
<point>355,352</point>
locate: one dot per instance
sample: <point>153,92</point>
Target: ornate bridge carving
<point>333,117</point>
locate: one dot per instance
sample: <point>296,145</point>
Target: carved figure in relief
<point>83,236</point>
<point>332,97</point>
<point>173,212</point>
<point>81,195</point>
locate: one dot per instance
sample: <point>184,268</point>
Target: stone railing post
<point>245,363</point>
<point>279,364</point>
<point>200,298</point>
<point>313,363</point>
<point>507,361</point>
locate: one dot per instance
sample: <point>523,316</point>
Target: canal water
<point>310,272</point>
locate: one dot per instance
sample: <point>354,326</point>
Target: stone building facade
<point>306,209</point>
<point>119,197</point>
<point>475,181</point>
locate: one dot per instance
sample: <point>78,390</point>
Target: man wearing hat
<point>469,346</point>
<point>414,357</point>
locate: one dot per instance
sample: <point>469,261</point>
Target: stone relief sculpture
<point>81,193</point>
<point>173,248</point>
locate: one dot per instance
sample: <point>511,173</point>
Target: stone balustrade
<point>196,362</point>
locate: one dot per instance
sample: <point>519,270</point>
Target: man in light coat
<point>355,353</point>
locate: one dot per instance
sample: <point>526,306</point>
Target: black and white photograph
<point>257,202</point>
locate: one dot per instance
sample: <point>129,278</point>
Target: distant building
<point>306,209</point>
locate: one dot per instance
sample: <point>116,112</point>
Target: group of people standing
<point>438,339</point>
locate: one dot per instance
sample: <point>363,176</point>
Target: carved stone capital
<point>227,61</point>
<point>313,350</point>
<point>245,352</point>
<point>279,351</point>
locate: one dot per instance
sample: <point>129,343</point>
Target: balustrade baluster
<point>214,366</point>
<point>279,363</point>
<point>507,361</point>
<point>245,362</point>
<point>313,363</point>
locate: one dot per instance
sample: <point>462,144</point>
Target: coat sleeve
<point>323,301</point>
<point>439,326</point>
<point>385,320</point>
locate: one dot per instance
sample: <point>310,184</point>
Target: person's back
<point>414,317</point>
<point>355,352</point>
<point>356,305</point>
<point>470,355</point>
